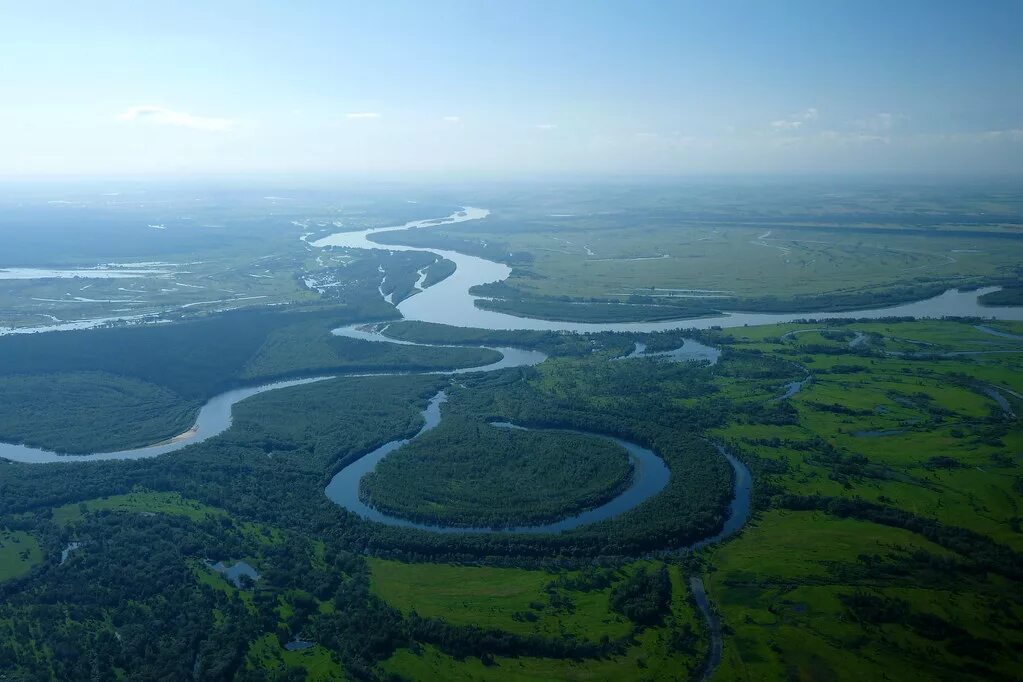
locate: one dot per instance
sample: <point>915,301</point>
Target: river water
<point>449,302</point>
<point>649,476</point>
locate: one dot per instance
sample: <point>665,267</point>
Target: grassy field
<point>810,595</point>
<point>139,502</point>
<point>712,264</point>
<point>496,597</point>
<point>19,552</point>
<point>779,588</point>
<point>267,655</point>
<point>149,503</point>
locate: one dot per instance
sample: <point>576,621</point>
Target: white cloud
<point>358,115</point>
<point>453,119</point>
<point>166,117</point>
<point>881,122</point>
<point>795,121</point>
<point>546,126</point>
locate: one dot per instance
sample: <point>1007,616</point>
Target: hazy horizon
<point>457,90</point>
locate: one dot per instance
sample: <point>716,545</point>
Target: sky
<point>513,88</point>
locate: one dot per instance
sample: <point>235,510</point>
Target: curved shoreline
<point>650,476</point>
<point>449,301</point>
<point>214,418</point>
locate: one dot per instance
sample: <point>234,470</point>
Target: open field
<point>19,551</point>
<point>823,596</point>
<point>497,598</point>
<point>885,536</point>
<point>807,252</point>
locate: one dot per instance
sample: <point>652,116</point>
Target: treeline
<point>841,301</point>
<point>470,474</point>
<point>566,344</point>
<point>978,549</point>
<point>438,272</point>
<point>643,597</point>
<point>80,412</point>
<point>597,311</point>
<point>308,348</point>
<point>194,358</point>
<point>1012,295</point>
<point>401,272</point>
<point>876,609</point>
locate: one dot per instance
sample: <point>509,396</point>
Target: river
<point>650,475</point>
<point>449,302</point>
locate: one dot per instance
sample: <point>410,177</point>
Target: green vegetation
<point>464,473</point>
<point>889,533</point>
<point>898,552</point>
<point>550,342</point>
<point>105,390</point>
<point>590,311</point>
<point>515,600</point>
<point>438,272</point>
<point>95,412</point>
<point>19,552</point>
<point>573,604</point>
<point>310,348</point>
<point>315,664</point>
<point>886,536</point>
<point>146,502</point>
<point>1006,296</point>
<point>782,248</point>
<point>195,359</point>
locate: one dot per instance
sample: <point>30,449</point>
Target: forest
<point>466,473</point>
<point>255,493</point>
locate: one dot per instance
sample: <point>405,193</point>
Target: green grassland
<point>885,539</point>
<point>779,589</point>
<point>498,597</point>
<point>19,552</point>
<point>137,502</point>
<point>314,664</point>
<point>812,595</point>
<point>657,266</point>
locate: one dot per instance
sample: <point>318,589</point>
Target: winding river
<point>649,476</point>
<point>449,302</point>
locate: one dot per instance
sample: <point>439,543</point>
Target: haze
<point>470,89</point>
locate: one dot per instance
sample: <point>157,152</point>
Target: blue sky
<point>511,89</point>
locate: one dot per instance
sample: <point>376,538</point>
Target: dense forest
<point>467,473</point>
<point>124,545</point>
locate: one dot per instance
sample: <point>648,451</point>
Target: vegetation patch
<point>82,412</point>
<point>467,473</point>
<point>19,552</point>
